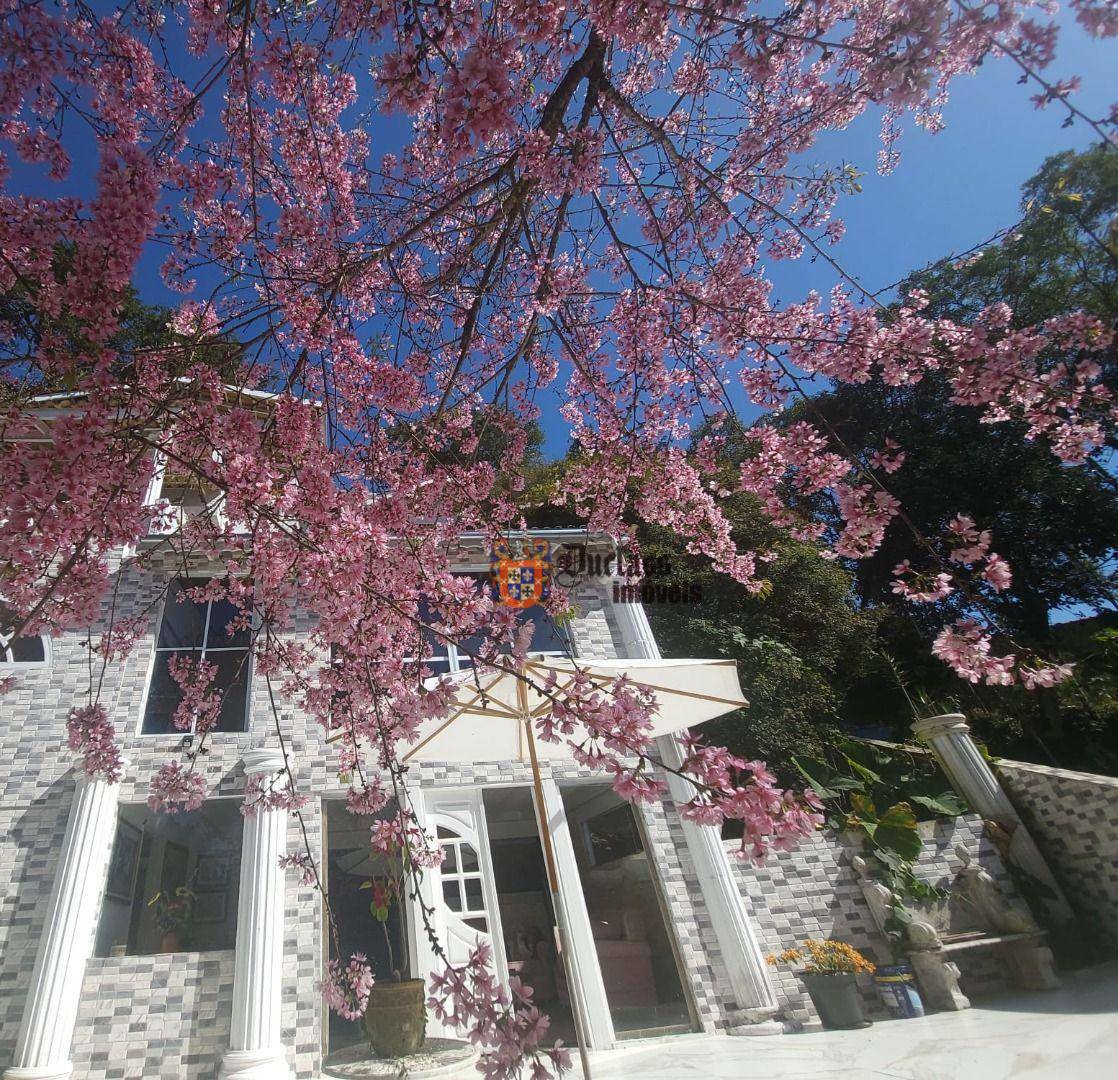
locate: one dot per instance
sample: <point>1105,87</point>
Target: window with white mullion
<point>26,650</point>
<point>549,638</point>
<point>198,631</point>
<point>461,876</point>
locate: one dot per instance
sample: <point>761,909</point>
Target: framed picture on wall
<point>176,865</point>
<point>213,871</point>
<point>211,907</point>
<point>122,863</point>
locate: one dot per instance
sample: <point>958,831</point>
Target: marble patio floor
<point>1070,1033</point>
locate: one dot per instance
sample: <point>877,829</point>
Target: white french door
<point>462,891</point>
<point>463,896</point>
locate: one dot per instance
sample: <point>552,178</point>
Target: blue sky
<point>950,191</point>
<point>954,189</point>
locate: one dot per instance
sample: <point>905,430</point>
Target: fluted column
<point>949,738</point>
<point>255,1051</point>
<point>733,928</point>
<point>51,1011</point>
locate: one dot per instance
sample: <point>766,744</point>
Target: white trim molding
<point>741,950</point>
<point>51,1011</point>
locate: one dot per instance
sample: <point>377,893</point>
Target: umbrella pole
<point>553,884</point>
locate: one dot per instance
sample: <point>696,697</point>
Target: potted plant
<point>828,971</point>
<point>396,1015</point>
<point>173,911</point>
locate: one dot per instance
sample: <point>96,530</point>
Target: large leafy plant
<point>882,793</point>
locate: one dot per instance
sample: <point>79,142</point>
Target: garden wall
<point>813,892</point>
<point>1073,818</point>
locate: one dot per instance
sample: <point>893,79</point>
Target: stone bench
<point>976,914</point>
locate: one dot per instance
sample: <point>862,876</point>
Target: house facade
<point>135,944</point>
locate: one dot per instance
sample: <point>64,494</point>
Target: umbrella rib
<point>691,694</point>
<point>502,714</point>
<point>478,693</point>
<point>547,706</point>
<point>603,680</point>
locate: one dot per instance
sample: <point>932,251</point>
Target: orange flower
<point>825,958</point>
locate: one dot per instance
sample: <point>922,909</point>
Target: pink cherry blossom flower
<point>997,572</point>
<point>90,732</point>
<point>174,788</point>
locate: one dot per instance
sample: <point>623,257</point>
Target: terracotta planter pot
<point>836,1000</point>
<point>396,1019</point>
<point>171,942</point>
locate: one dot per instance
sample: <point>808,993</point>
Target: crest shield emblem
<point>522,577</point>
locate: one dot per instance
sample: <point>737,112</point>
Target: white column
<point>255,1051</point>
<point>733,928</point>
<point>574,921</point>
<point>43,1049</point>
<point>971,776</point>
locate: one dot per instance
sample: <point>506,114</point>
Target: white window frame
<point>7,664</point>
<point>459,875</point>
<point>201,652</point>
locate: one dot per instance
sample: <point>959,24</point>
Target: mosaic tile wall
<point>163,1007</point>
<point>1073,817</point>
<point>154,1016</point>
<point>813,892</point>
<point>168,1015</point>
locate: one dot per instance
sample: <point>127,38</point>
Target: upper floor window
<point>23,648</point>
<point>549,638</point>
<point>199,631</point>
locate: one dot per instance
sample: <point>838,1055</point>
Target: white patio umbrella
<point>493,716</point>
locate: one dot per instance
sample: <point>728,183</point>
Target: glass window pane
<point>643,982</point>
<point>172,881</point>
<point>183,622</point>
<point>443,833</point>
<point>232,681</point>
<point>452,896</point>
<point>435,648</point>
<point>21,650</point>
<point>439,665</point>
<point>547,634</point>
<point>468,648</point>
<point>450,863</point>
<point>28,650</point>
<point>478,923</point>
<point>474,900</point>
<point>221,613</point>
<point>469,857</point>
<point>164,696</point>
<point>614,835</point>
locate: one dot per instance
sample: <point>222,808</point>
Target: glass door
<point>632,937</point>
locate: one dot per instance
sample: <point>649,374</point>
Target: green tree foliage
<point>1061,255</point>
<point>800,644</point>
<point>1057,526</point>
